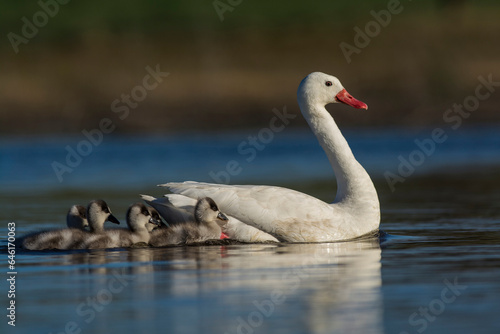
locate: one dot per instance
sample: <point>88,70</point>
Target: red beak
<point>344,97</point>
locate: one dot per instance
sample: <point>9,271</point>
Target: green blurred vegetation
<point>154,18</point>
<point>233,72</point>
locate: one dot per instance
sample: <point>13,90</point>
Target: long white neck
<point>353,182</point>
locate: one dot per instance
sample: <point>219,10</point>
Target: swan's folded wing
<point>182,202</point>
<point>284,213</point>
<point>169,211</point>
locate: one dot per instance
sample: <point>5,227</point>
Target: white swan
<point>293,216</point>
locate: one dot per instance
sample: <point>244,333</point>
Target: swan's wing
<point>234,228</point>
<point>181,202</point>
<point>287,214</point>
<point>172,213</point>
<point>237,230</point>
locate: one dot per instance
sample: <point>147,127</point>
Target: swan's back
<point>286,214</point>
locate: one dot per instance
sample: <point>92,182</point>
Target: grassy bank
<point>232,73</point>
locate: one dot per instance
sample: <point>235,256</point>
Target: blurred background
<point>230,64</point>
<point>182,84</point>
<point>71,70</point>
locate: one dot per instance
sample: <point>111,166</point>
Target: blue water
<point>435,268</point>
<point>123,162</point>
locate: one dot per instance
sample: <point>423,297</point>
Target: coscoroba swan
<point>292,216</point>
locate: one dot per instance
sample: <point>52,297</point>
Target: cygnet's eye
<point>328,83</point>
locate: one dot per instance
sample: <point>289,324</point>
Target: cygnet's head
<point>98,212</point>
<point>321,89</point>
<point>139,217</point>
<point>77,217</point>
<point>206,211</point>
<point>155,216</point>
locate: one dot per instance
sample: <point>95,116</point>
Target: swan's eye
<point>328,83</point>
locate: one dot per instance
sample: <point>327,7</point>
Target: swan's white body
<point>290,215</point>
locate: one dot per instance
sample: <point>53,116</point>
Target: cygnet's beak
<point>113,219</point>
<point>344,97</point>
<point>222,216</point>
<point>154,221</point>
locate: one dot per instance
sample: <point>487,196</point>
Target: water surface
<point>435,268</point>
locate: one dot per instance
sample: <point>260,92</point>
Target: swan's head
<point>320,88</point>
<point>206,211</point>
<point>77,217</point>
<point>139,217</point>
<point>155,217</point>
<point>98,212</point>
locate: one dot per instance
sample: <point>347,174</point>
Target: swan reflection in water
<point>233,288</point>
